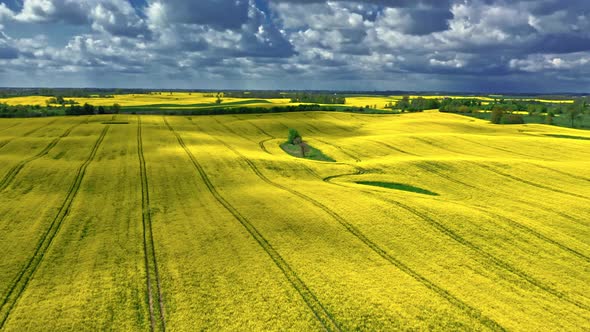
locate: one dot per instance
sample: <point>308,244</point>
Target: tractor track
<point>471,311</point>
<point>13,172</point>
<point>318,309</point>
<point>356,159</point>
<point>11,126</point>
<point>500,149</point>
<point>561,172</point>
<point>489,257</point>
<point>391,147</point>
<point>22,280</point>
<point>30,132</point>
<point>491,169</point>
<point>530,183</point>
<point>431,167</point>
<point>149,248</point>
<point>496,261</point>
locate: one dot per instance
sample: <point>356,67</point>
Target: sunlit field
<point>425,221</point>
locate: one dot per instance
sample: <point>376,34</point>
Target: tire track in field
<point>515,224</point>
<point>11,126</point>
<point>391,147</point>
<point>453,300</point>
<point>499,263</point>
<point>496,261</point>
<point>30,132</point>
<point>433,168</point>
<point>356,159</point>
<point>262,131</point>
<point>530,183</point>
<point>22,279</point>
<point>149,248</point>
<point>491,169</point>
<point>535,233</point>
<point>500,149</point>
<point>13,172</point>
<point>321,313</point>
<point>561,172</point>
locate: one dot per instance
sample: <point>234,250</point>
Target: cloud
<point>300,43</point>
<point>218,14</point>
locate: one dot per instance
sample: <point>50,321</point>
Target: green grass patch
<point>398,186</point>
<point>313,153</point>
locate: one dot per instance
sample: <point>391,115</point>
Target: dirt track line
<point>25,134</point>
<point>12,126</point>
<point>535,233</point>
<point>262,131</point>
<point>471,311</point>
<point>530,183</point>
<point>12,173</point>
<point>500,149</point>
<point>22,280</point>
<point>561,172</point>
<point>389,146</point>
<point>149,248</point>
<point>321,313</point>
<point>341,150</point>
<point>431,167</point>
<point>491,258</point>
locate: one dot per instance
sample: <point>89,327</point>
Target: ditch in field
<point>398,186</point>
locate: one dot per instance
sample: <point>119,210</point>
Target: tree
<point>549,118</point>
<point>294,136</point>
<point>403,104</point>
<point>576,110</point>
<point>116,108</point>
<point>218,100</point>
<point>88,109</point>
<point>497,114</point>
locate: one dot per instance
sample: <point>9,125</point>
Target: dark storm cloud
<point>398,43</point>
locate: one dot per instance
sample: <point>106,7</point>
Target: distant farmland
<point>425,221</point>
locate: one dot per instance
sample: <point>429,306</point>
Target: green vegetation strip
<point>398,186</point>
<point>312,153</point>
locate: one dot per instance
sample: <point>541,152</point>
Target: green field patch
<point>398,186</point>
<point>568,136</point>
<point>312,153</point>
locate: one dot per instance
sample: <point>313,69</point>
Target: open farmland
<point>426,221</point>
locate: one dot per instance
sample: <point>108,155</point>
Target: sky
<point>417,45</point>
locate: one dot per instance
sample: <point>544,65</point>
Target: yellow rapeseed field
<point>426,221</point>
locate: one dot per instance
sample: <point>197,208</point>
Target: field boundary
<point>149,248</point>
<point>321,313</point>
<point>22,279</point>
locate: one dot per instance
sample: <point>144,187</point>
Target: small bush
<point>497,116</point>
<point>512,119</point>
